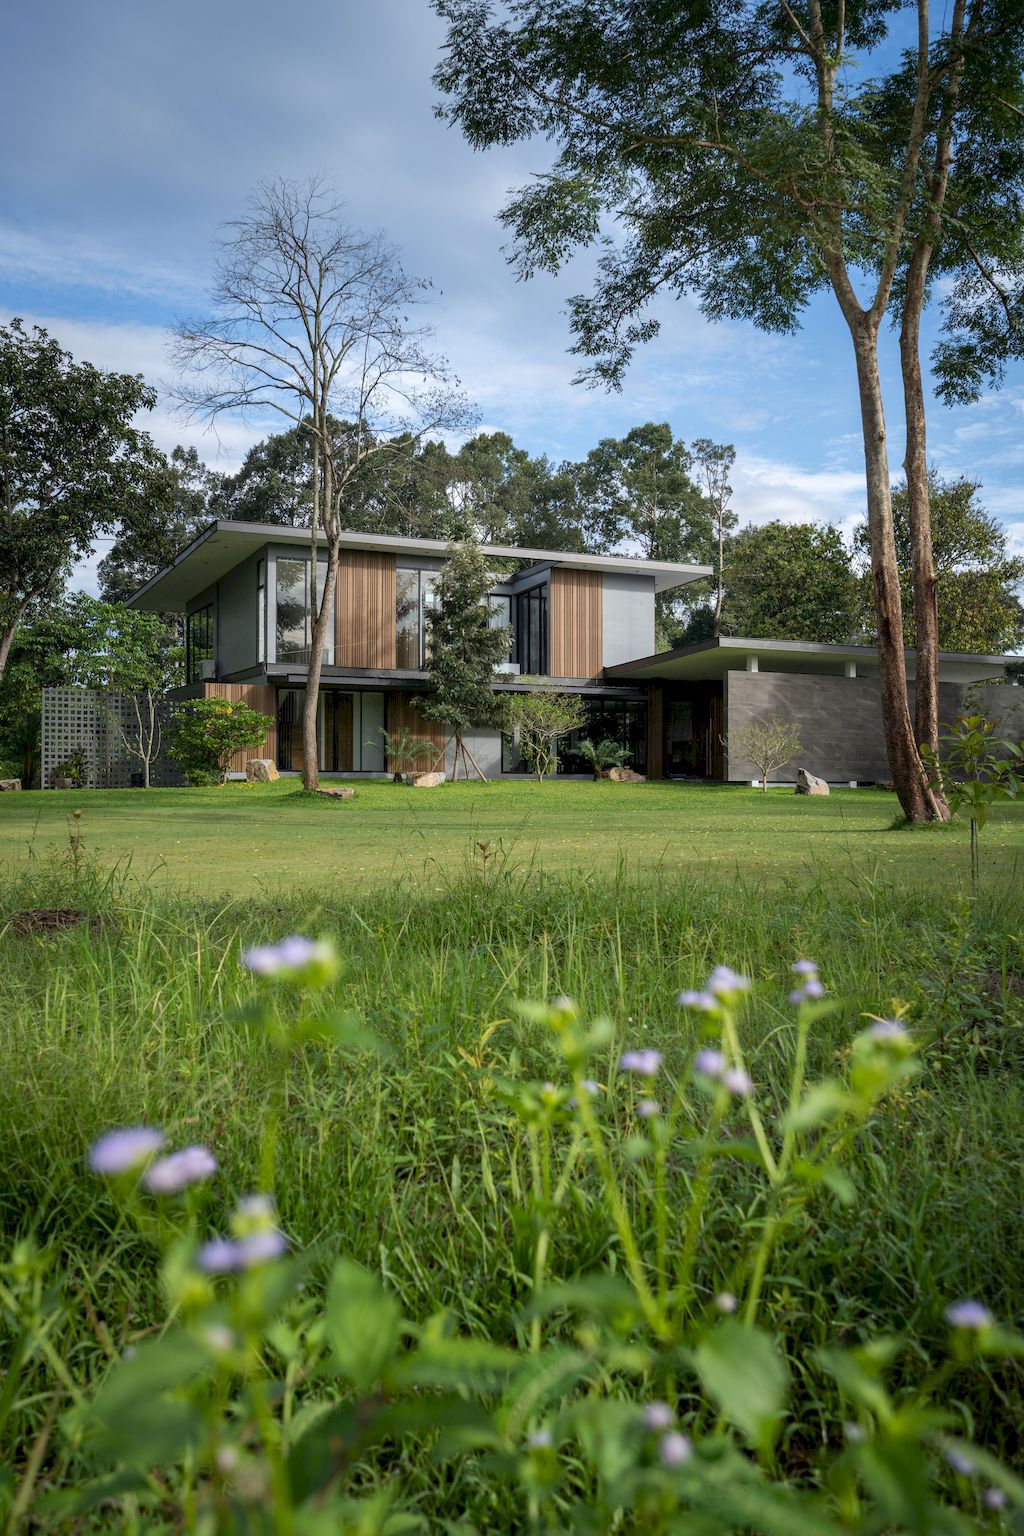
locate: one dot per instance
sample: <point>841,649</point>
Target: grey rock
<point>334,793</point>
<point>807,784</point>
<point>6,785</point>
<point>625,776</point>
<point>426,780</point>
<point>261,770</point>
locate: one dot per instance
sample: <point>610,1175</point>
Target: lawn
<point>246,838</point>
<point>422,1127</point>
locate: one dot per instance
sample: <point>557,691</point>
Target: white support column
<point>850,668</point>
<point>751,663</point>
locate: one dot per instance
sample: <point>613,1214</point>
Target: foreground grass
<point>415,1166</point>
<point>243,839</point>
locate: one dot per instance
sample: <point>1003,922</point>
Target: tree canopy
<point>790,581</point>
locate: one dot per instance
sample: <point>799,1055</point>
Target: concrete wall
<point>840,720</point>
<point>628,621</point>
<point>237,619</point>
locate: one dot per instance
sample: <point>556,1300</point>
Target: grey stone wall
<point>840,720</point>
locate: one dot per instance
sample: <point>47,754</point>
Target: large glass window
<point>623,721</point>
<point>294,619</point>
<point>261,610</point>
<point>414,598</point>
<point>530,631</point>
<point>198,642</point>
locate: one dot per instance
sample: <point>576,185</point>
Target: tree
<point>978,603</point>
<point>312,320</point>
<point>134,654</point>
<point>173,504</point>
<point>71,462</point>
<point>738,158</point>
<point>538,720</point>
<point>768,744</point>
<point>464,649</point>
<point>713,463</point>
<point>790,581</point>
<point>208,733</point>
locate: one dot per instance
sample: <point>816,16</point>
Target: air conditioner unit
<point>207,671</point>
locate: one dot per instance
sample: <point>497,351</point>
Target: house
<point>586,621</point>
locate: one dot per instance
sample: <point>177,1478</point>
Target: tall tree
<point>741,160</point>
<point>713,464</point>
<point>312,320</point>
<point>71,463</point>
<point>173,504</point>
<point>464,649</point>
<point>978,582</point>
<point>790,581</point>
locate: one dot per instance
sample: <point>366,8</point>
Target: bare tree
<point>312,320</point>
<point>714,462</point>
<point>144,737</point>
<point>768,744</point>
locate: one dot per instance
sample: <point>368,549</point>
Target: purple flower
<point>725,982</point>
<point>292,957</point>
<point>648,1108</point>
<point>804,968</point>
<point>887,1029</point>
<point>540,1440</point>
<point>968,1314</point>
<point>702,1001</point>
<point>675,1449</point>
<point>658,1416</point>
<point>261,1247</point>
<point>589,1085</point>
<point>961,1464</point>
<point>810,990</point>
<point>220,1256</point>
<point>737,1082</point>
<point>709,1064</point>
<point>169,1175</point>
<point>122,1151</point>
<point>994,1498</point>
<point>643,1063</point>
<point>725,1301</point>
<point>225,1255</point>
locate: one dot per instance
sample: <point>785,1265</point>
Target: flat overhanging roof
<point>224,544</point>
<point>709,659</point>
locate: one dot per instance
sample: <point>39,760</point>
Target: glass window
<point>261,610</point>
<point>294,621</point>
<point>530,631</point>
<point>414,598</point>
<point>198,642</point>
<point>623,721</point>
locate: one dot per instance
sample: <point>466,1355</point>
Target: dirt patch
<point>50,920</point>
<point>994,983</point>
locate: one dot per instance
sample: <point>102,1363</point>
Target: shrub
<point>74,767</point>
<point>538,720</point>
<point>768,744</point>
<point>208,733</point>
<point>604,755</point>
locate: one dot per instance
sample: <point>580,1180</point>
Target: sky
<point>133,132</point>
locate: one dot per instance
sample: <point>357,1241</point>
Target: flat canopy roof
<point>224,544</point>
<point>710,658</point>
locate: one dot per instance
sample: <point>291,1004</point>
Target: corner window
<point>530,631</point>
<point>294,623</point>
<point>414,598</point>
<point>198,642</point>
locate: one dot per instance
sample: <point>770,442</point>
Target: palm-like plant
<point>603,755</point>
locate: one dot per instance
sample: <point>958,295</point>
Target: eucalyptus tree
<point>713,464</point>
<point>750,154</point>
<point>318,322</point>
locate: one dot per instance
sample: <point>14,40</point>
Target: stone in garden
<point>625,776</point>
<point>336,794</point>
<point>8,784</point>
<point>261,770</point>
<point>426,780</point>
<point>807,784</point>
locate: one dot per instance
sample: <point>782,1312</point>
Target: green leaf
<point>822,1103</point>
<point>362,1323</point>
<point>132,1420</point>
<point>600,1295</point>
<point>457,1362</point>
<point>744,1373</point>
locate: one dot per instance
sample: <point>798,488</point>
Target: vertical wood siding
<point>576,622</point>
<point>258,696</point>
<point>365,633</point>
<point>402,715</point>
<point>655,731</point>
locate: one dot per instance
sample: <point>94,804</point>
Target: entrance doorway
<point>334,729</point>
<point>693,732</point>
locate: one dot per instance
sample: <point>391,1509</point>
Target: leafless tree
<point>311,319</point>
<point>142,740</point>
<point>768,744</point>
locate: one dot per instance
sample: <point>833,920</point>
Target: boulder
<point>261,770</point>
<point>6,785</point>
<point>336,793</point>
<point>807,784</point>
<point>426,780</point>
<point>625,776</point>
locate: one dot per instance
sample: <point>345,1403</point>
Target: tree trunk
<point>317,640</point>
<point>720,589</point>
<point>6,641</point>
<point>901,749</point>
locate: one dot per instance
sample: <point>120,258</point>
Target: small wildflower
<point>226,1459</point>
<point>121,1151</point>
<point>170,1175</point>
<point>994,1498</point>
<point>589,1084</point>
<point>724,982</point>
<point>804,968</point>
<point>962,1464</point>
<point>709,1064</point>
<point>658,1416</point>
<point>220,1338</point>
<point>702,1001</point>
<point>675,1449</point>
<point>643,1063</point>
<point>540,1440</point>
<point>968,1314</point>
<point>564,1005</point>
<point>887,1029</point>
<point>738,1082</point>
<point>262,1247</point>
<point>726,1302</point>
<point>220,1256</point>
<point>854,1432</point>
<point>648,1108</point>
<point>294,956</point>
<point>809,992</point>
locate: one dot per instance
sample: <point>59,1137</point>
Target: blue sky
<point>132,131</point>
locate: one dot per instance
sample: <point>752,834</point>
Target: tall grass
<point>413,1164</point>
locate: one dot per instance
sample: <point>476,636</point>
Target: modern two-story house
<point>586,621</point>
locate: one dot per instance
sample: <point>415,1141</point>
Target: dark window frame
<point>199,648</point>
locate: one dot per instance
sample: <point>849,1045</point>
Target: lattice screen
<point>94,719</point>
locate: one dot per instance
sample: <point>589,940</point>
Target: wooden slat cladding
<point>402,715</point>
<point>577,613</point>
<point>258,696</point>
<point>365,630</point>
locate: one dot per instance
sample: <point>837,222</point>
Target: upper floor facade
<point>245,590</point>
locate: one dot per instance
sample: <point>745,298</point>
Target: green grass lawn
<point>243,838</point>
